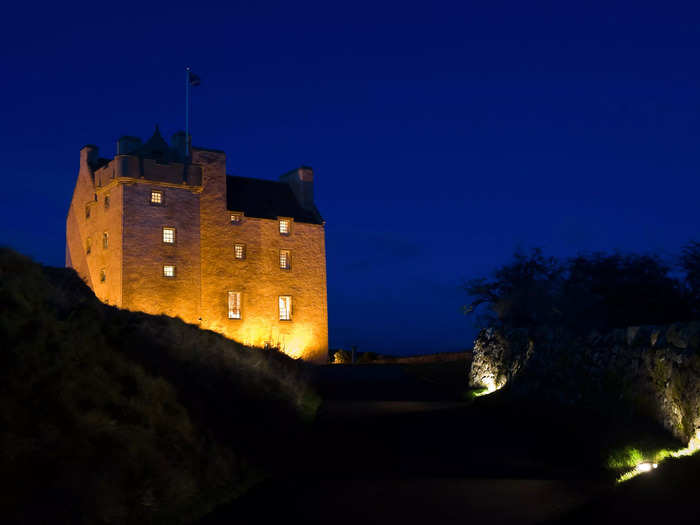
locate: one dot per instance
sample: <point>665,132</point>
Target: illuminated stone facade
<point>115,240</point>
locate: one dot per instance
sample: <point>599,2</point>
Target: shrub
<point>111,416</point>
<point>367,357</point>
<point>690,265</point>
<point>342,357</point>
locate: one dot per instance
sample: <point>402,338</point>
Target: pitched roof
<point>266,199</point>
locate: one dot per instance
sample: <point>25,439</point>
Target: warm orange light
<point>297,341</point>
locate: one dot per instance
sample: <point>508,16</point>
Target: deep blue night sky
<point>443,136</point>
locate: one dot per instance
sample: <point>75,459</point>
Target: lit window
<point>103,276</point>
<point>285,260</point>
<point>284,226</point>
<point>285,307</point>
<point>105,240</point>
<point>169,235</point>
<point>239,251</point>
<point>236,218</point>
<point>168,270</point>
<point>234,305</point>
<point>88,247</point>
<point>106,202</point>
<point>156,197</point>
<point>87,211</point>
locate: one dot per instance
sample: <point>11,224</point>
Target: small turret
<point>178,141</point>
<point>127,145</point>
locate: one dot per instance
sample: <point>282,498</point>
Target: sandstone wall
<point>81,230</point>
<point>258,277</point>
<point>145,254</point>
<point>657,367</point>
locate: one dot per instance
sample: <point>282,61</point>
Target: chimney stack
<point>127,144</point>
<point>301,180</point>
<point>89,155</point>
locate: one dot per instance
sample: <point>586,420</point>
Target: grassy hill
<point>110,416</point>
<point>668,494</point>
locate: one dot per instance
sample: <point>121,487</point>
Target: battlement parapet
<point>135,167</point>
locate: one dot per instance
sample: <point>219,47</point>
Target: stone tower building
<point>155,231</point>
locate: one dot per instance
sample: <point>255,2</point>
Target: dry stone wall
<point>654,367</point>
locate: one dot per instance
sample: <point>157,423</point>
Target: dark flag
<point>194,79</point>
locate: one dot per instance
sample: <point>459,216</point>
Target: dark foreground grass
<point>378,459</point>
<point>665,495</point>
<point>500,429</point>
<point>109,416</point>
<point>396,457</point>
<point>601,440</point>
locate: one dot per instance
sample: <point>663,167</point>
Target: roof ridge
<point>256,179</point>
<point>266,199</point>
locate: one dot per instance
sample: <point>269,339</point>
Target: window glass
<point>169,235</point>
<point>156,197</point>
<point>239,251</point>
<point>105,240</point>
<point>285,260</point>
<point>285,306</point>
<point>284,226</point>
<point>236,218</point>
<point>168,270</point>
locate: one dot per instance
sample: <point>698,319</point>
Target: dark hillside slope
<point>110,416</point>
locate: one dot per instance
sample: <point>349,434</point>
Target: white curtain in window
<point>234,305</point>
<point>285,307</point>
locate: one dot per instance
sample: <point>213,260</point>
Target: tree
<point>521,293</point>
<point>690,263</point>
<point>599,290</point>
<point>614,290</point>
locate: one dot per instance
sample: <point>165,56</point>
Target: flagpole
<point>187,112</point>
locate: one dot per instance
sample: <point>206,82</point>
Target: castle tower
<point>152,231</point>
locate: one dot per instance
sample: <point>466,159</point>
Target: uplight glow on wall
<point>489,384</point>
<point>648,466</point>
<point>295,343</point>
